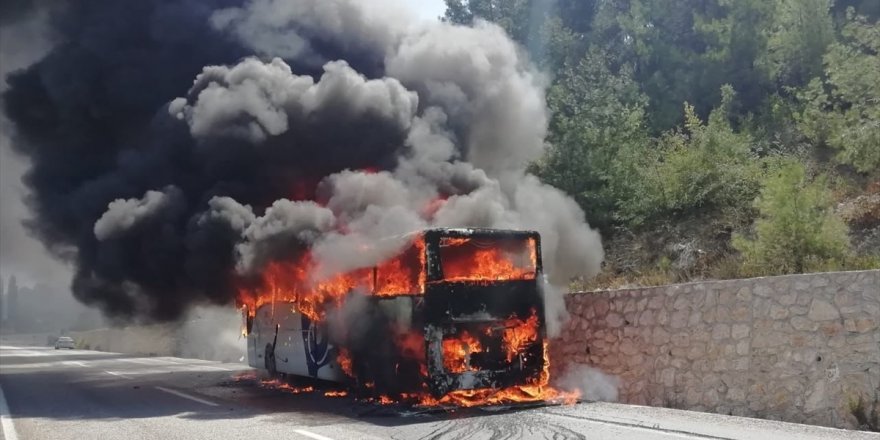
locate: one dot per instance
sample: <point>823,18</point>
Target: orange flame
<point>287,388</point>
<point>457,352</point>
<point>466,259</point>
<point>292,282</point>
<point>519,334</point>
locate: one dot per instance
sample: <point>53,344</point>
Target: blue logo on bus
<point>317,345</point>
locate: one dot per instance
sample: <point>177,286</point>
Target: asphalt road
<point>78,394</point>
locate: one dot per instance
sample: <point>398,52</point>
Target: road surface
<point>79,394</point>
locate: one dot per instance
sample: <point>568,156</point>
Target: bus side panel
<point>289,349</point>
<point>301,347</point>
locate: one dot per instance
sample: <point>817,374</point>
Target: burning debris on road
<point>268,151</point>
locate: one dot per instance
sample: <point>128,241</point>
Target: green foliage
<point>656,179</point>
<point>797,230</point>
<point>596,114</point>
<point>515,16</point>
<point>843,110</point>
<point>705,170</point>
<point>800,33</point>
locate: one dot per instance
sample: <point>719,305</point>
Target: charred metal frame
<point>480,308</point>
<point>444,310</point>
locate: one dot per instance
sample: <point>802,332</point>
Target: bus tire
<point>270,361</point>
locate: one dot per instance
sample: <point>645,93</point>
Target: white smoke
<point>123,214</point>
<point>593,384</point>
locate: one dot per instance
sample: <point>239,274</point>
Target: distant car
<point>65,342</point>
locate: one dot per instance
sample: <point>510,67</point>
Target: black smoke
<point>178,146</point>
<point>91,117</point>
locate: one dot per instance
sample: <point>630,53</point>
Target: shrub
<point>797,230</point>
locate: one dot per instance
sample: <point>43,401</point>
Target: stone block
<point>821,310</point>
<point>720,331</point>
<point>778,312</point>
<point>741,313</point>
<point>804,324</point>
<point>739,331</point>
<point>787,298</point>
<point>681,339</point>
<point>865,325</point>
<point>679,319</point>
<point>614,320</point>
<point>742,347</point>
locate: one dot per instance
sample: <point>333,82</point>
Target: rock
<point>614,320</point>
<point>822,311</point>
<point>778,312</point>
<point>710,398</point>
<point>628,347</point>
<point>661,336</point>
<point>803,324</point>
<point>739,331</point>
<point>681,339</point>
<point>742,348</point>
<point>788,298</point>
<point>679,319</point>
<point>865,325</point>
<point>667,377</point>
<point>817,397</point>
<point>720,331</point>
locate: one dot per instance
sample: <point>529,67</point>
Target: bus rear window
<point>487,259</point>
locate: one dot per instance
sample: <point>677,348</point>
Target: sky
<point>429,9</point>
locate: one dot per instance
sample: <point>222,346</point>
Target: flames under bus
<point>457,309</point>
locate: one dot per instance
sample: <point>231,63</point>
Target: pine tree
<point>797,230</point>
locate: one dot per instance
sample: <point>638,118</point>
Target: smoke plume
<point>592,383</point>
<point>179,147</point>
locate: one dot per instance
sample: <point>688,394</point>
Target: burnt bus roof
<point>469,232</point>
<point>481,232</point>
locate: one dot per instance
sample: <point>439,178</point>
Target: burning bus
<point>456,317</point>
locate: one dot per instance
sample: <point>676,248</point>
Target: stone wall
<point>800,348</point>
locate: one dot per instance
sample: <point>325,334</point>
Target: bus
<point>456,309</point>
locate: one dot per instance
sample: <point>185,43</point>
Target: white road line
<point>74,363</point>
<point>6,419</point>
<point>113,373</point>
<point>145,361</point>
<point>187,396</point>
<point>311,434</point>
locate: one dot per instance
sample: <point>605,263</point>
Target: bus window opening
<point>477,259</point>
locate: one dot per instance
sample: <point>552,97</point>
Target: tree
<point>843,110</point>
<point>800,33</point>
<point>596,113</point>
<point>797,229</point>
<point>514,16</point>
<point>707,170</point>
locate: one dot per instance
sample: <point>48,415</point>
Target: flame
<point>538,391</point>
<point>457,352</point>
<point>519,334</point>
<point>292,282</point>
<point>461,260</point>
<point>335,393</point>
<point>286,387</point>
<point>466,259</point>
<point>343,358</point>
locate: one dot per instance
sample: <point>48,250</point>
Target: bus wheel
<point>270,360</point>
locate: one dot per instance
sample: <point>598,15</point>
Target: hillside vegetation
<point>710,138</point>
